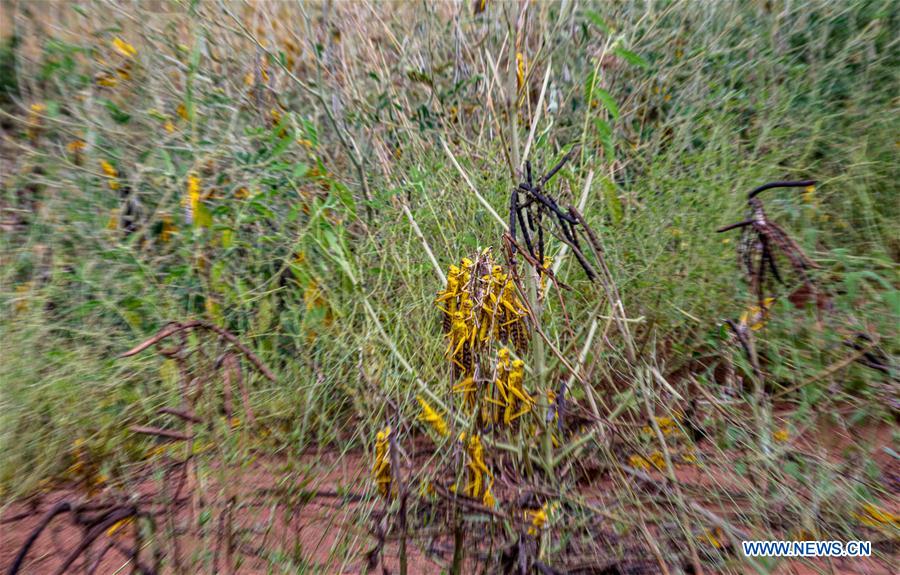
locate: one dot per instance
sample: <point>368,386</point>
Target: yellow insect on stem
<point>432,418</point>
<point>381,469</point>
<point>477,471</point>
<point>520,70</point>
<point>191,201</point>
<point>809,194</point>
<point>518,401</point>
<point>108,169</point>
<point>548,261</point>
<point>538,519</point>
<point>480,305</point>
<point>755,317</point>
<point>124,48</point>
<point>112,175</point>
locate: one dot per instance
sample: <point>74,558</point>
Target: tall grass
<point>311,127</point>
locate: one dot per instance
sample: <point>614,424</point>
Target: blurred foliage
<point>247,167</point>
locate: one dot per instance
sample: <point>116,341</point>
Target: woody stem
<point>539,364</point>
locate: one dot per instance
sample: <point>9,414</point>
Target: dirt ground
<point>318,532</point>
<point>314,534</point>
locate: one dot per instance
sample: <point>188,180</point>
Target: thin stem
<point>770,185</point>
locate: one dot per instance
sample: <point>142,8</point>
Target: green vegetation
<point>261,169</point>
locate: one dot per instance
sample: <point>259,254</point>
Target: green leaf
<point>300,170</point>
<point>613,203</point>
<point>227,238</point>
<point>877,278</point>
<point>167,161</point>
<point>589,84</point>
<point>117,114</point>
<point>203,217</point>
<point>605,133</point>
<point>792,469</point>
<point>157,115</point>
<point>281,146</point>
<point>195,53</point>
<point>598,21</point>
<point>892,298</point>
<point>631,57</point>
<point>851,283</point>
<point>608,102</point>
<point>335,249</point>
<point>312,134</point>
<point>345,196</point>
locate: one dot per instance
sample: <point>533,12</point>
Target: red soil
<point>320,532</point>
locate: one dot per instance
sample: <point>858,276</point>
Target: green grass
<point>709,101</point>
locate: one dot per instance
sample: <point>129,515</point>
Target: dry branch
<point>176,327</point>
<point>169,433</point>
<point>183,414</point>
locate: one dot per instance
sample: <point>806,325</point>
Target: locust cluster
<point>487,323</point>
<point>479,305</point>
<point>502,399</point>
